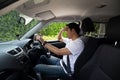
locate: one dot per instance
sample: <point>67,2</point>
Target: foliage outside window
<point>10,29</point>
<point>51,31</point>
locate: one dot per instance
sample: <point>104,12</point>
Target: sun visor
<point>45,15</point>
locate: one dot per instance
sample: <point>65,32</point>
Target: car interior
<point>100,59</point>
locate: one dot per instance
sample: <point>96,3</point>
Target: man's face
<point>69,32</point>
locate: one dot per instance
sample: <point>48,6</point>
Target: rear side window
<point>99,30</point>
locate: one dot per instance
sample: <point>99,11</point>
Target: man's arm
<point>55,50</point>
<point>60,38</point>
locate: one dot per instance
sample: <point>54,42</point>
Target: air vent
<point>14,51</point>
<point>18,49</point>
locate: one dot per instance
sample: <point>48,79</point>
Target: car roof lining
<point>8,5</point>
<point>4,3</point>
<point>98,10</point>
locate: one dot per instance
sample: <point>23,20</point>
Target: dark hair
<point>74,26</point>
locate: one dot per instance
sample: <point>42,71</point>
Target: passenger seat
<point>105,62</point>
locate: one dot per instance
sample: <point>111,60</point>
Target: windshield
<point>11,29</point>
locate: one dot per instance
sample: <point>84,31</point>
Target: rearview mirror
<point>21,20</point>
<point>24,19</point>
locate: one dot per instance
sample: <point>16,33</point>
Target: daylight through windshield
<point>11,29</point>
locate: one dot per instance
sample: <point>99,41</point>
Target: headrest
<point>87,25</point>
<point>113,29</point>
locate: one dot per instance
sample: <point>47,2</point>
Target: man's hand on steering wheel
<point>37,49</point>
<point>41,44</point>
<point>39,38</point>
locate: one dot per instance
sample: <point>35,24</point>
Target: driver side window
<point>50,32</point>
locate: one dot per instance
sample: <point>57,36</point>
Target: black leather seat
<point>87,27</point>
<point>105,62</point>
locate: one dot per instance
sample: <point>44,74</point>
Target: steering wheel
<point>36,51</point>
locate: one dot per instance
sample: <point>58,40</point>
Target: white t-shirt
<point>75,47</point>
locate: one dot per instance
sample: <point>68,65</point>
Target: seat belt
<point>66,67</point>
<point>68,63</point>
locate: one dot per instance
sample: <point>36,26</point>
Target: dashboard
<point>13,54</point>
<point>16,55</point>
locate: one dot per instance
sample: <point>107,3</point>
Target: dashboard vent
<point>18,49</point>
<point>14,51</point>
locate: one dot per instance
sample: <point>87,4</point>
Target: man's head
<point>72,29</point>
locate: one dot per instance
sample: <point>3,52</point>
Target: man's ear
<point>73,30</point>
